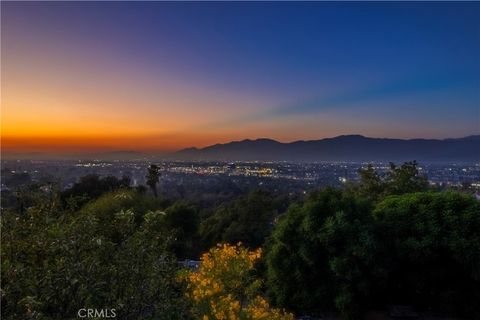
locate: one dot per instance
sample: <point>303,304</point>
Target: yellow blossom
<point>219,288</point>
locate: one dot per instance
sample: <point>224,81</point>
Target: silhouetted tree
<point>397,180</point>
<point>91,187</point>
<point>371,184</point>
<point>405,179</point>
<point>153,177</point>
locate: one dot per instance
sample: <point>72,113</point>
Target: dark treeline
<point>388,239</point>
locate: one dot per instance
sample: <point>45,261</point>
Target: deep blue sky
<point>243,70</point>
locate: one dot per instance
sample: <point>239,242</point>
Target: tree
<point>337,251</point>
<point>301,275</point>
<point>397,180</point>
<point>405,179</point>
<point>429,244</point>
<point>249,220</point>
<point>105,207</point>
<point>90,187</point>
<point>371,184</point>
<point>182,221</point>
<point>224,288</point>
<point>153,176</point>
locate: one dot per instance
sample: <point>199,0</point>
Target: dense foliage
<point>249,220</point>
<point>419,249</point>
<point>90,187</point>
<point>386,240</point>
<point>429,249</point>
<point>301,273</point>
<point>112,254</point>
<point>182,220</point>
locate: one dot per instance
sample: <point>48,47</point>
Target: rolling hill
<point>341,148</point>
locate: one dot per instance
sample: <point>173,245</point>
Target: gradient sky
<point>91,76</point>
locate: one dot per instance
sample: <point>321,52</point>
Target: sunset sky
<point>150,76</point>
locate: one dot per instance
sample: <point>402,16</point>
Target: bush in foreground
<point>336,252</point>
<point>224,288</point>
<point>111,254</point>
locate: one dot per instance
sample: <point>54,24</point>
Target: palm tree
<point>153,176</point>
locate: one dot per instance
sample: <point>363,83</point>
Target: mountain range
<point>341,148</point>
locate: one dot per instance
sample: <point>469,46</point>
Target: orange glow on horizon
<point>85,143</point>
<point>55,99</point>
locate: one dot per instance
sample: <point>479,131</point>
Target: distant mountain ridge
<point>340,148</point>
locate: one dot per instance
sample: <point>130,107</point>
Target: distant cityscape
<point>294,176</point>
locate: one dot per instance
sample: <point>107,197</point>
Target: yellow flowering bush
<point>224,289</point>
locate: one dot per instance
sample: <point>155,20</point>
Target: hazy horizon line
<point>59,153</point>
